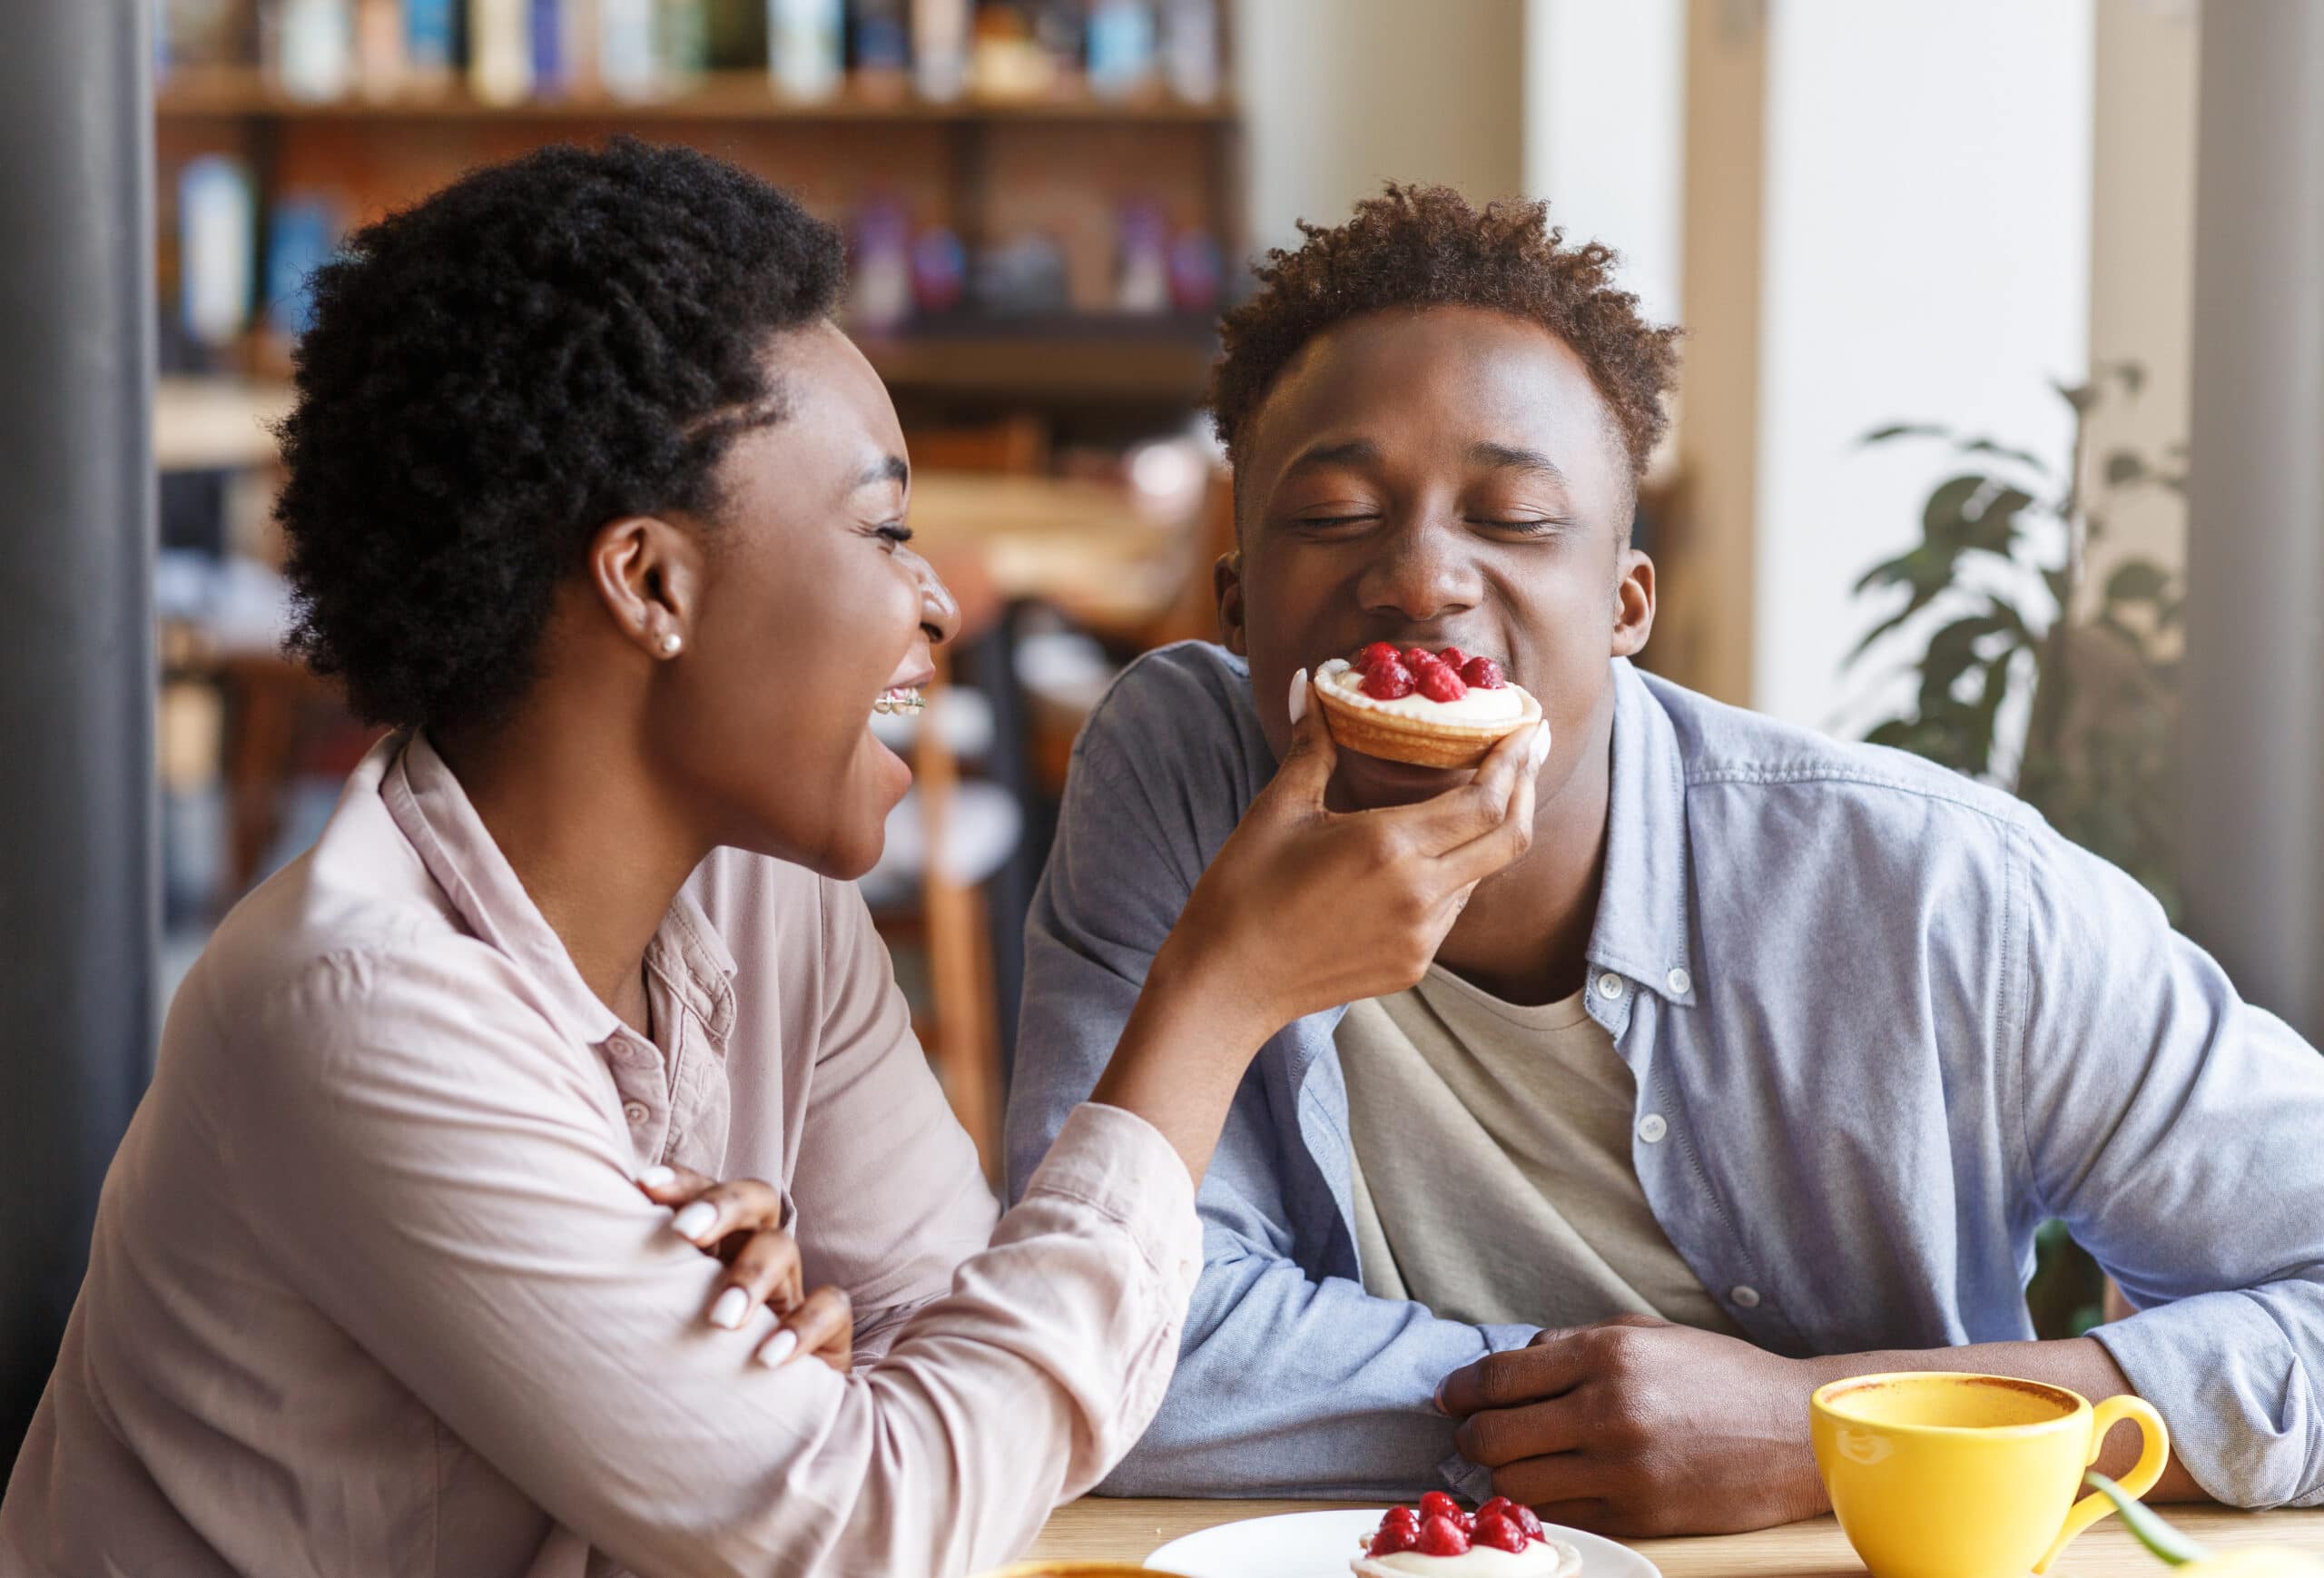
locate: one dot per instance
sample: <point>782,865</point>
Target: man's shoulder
<point>1183,707</point>
<point>1722,747</point>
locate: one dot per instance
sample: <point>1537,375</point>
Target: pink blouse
<point>372,1289</point>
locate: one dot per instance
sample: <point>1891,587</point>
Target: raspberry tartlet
<point>1500,1540</point>
<point>1435,709</point>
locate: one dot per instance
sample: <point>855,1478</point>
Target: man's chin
<point>1371,782</point>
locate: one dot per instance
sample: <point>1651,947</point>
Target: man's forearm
<point>2079,1364</point>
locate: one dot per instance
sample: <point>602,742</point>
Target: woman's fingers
<point>1510,835</point>
<point>671,1185</point>
<point>763,1272</point>
<point>1307,761</point>
<point>823,1326</point>
<point>722,1210</point>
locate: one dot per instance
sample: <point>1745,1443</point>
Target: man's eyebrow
<point>1354,452</point>
<point>1504,457</point>
<point>887,469</point>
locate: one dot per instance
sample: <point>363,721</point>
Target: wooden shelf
<point>1102,365</point>
<point>732,95</point>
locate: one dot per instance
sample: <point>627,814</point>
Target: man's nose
<point>1423,572</point>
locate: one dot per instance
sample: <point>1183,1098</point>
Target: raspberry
<point>1387,682</point>
<point>1452,657</point>
<point>1499,1533</point>
<point>1409,1516</point>
<point>1484,673</point>
<point>1499,1504</point>
<point>1441,1536</point>
<point>1531,1522</point>
<point>1418,657</point>
<point>1439,683</point>
<point>1378,652</point>
<point>1437,1504</point>
<point>1391,1538</point>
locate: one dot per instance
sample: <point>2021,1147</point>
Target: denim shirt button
<point>1680,982</point>
<point>1745,1297</point>
<point>1651,1128</point>
<point>1610,985</point>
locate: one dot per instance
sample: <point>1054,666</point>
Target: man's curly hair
<point>494,373</point>
<point>1425,246</point>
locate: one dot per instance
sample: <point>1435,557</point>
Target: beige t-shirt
<point>1493,1180</point>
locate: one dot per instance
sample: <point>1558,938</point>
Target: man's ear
<point>1227,584</point>
<point>1633,602</point>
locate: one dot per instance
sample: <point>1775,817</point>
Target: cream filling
<point>1478,706</point>
<point>1539,1559</point>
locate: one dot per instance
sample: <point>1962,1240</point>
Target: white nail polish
<point>1298,697</point>
<point>695,1220</point>
<point>658,1177</point>
<point>728,1311</point>
<point>779,1348</point>
<point>1541,746</point>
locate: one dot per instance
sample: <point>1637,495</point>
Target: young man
<point>1759,1070</point>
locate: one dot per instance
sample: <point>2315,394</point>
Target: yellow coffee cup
<point>1942,1474</point>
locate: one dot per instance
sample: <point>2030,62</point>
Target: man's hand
<point>1637,1427</point>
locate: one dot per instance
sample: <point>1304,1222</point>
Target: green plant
<point>2001,572</point>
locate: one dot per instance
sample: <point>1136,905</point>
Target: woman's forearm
<point>1183,1054</point>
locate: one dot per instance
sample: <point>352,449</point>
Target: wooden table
<point>1125,1531</point>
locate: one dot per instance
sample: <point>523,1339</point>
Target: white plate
<point>1322,1544</point>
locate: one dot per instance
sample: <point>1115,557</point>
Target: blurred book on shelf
<point>509,53</point>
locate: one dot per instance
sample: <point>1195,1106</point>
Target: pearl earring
<point>670,645</point>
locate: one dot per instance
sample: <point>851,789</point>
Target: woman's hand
<point>1304,909</point>
<point>740,1223</point>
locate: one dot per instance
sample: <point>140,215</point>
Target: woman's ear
<point>647,572</point>
<point>1633,603</point>
<point>1227,584</point>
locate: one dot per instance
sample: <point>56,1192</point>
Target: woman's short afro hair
<point>1425,246</point>
<point>494,373</point>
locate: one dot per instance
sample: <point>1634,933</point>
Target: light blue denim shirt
<point>1890,1020</point>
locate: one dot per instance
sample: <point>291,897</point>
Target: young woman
<point>590,500</point>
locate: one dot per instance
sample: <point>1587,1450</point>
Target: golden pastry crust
<point>1423,742</point>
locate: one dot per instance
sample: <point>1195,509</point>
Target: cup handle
<point>2154,1452</point>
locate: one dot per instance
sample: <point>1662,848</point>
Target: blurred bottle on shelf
<point>203,34</point>
<point>500,51</point>
<point>1008,62</point>
<point>806,47</point>
<point>577,36</point>
<point>880,51</point>
<point>314,54</point>
<point>879,274</point>
<point>939,271</point>
<point>681,43</point>
<point>1121,48</point>
<point>217,219</point>
<point>1197,272</point>
<point>1190,49</point>
<point>547,48</point>
<point>1142,262</point>
<point>625,48</point>
<point>431,39</point>
<point>302,232</point>
<point>940,48</point>
<point>381,50</point>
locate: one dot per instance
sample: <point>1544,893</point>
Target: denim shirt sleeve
<point>1290,1381</point>
<point>2180,1132</point>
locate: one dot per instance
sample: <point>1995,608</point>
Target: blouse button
<point>1680,982</point>
<point>1745,1298</point>
<point>1651,1129</point>
<point>1610,985</point>
<point>634,1111</point>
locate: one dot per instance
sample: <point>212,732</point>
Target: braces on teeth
<point>899,701</point>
